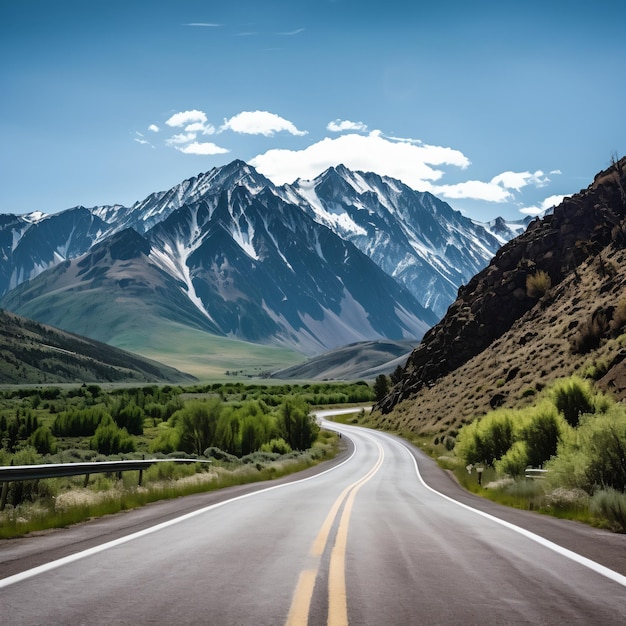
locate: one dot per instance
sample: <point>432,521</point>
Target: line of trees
<point>238,429</point>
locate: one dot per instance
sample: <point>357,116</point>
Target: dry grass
<point>536,351</point>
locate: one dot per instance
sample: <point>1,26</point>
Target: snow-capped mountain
<point>309,265</point>
<point>252,267</point>
<point>419,240</point>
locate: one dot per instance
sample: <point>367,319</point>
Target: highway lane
<point>366,542</point>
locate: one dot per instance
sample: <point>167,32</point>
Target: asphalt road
<point>375,538</point>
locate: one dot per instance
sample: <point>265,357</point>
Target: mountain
<point>237,263</point>
<point>418,239</point>
<point>33,353</point>
<point>552,302</point>
<point>108,291</point>
<point>364,360</point>
<point>347,257</point>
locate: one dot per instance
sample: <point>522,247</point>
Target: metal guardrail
<point>12,473</point>
<point>57,470</point>
<point>531,472</point>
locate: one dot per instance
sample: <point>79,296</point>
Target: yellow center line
<point>301,602</point>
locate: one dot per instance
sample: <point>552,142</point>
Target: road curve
<point>366,541</point>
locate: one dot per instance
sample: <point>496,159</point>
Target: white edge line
<point>46,567</point>
<point>574,556</point>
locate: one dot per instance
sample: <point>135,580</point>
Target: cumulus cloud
<point>154,128</point>
<point>517,180</point>
<point>260,123</point>
<point>474,190</point>
<point>184,118</point>
<point>499,189</point>
<point>201,148</point>
<point>339,126</point>
<point>548,203</point>
<point>373,152</point>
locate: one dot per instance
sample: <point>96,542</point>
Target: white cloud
<point>517,180</point>
<point>552,201</point>
<point>499,189</point>
<point>185,118</point>
<point>548,203</point>
<point>474,190</point>
<point>260,123</point>
<point>153,128</point>
<point>143,142</point>
<point>181,138</point>
<point>338,126</point>
<point>200,127</point>
<point>371,153</point>
<point>202,148</point>
<point>203,24</point>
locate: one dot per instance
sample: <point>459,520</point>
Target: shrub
<point>196,423</point>
<point>296,424</point>
<point>486,439</point>
<point>573,397</point>
<point>591,333</point>
<point>110,439</point>
<point>618,322</point>
<point>610,504</point>
<point>278,446</point>
<point>43,441</point>
<point>515,461</point>
<point>538,284</point>
<point>541,433</point>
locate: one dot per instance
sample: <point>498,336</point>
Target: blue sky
<point>499,108</point>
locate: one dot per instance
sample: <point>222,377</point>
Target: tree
<point>197,422</point>
<point>43,441</point>
<point>381,387</point>
<point>397,375</point>
<point>296,424</point>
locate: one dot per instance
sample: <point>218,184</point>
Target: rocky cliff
<point>530,287</point>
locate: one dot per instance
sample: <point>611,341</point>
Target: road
<point>366,541</point>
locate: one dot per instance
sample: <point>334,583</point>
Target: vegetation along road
<point>369,539</point>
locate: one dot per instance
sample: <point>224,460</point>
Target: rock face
<point>581,227</point>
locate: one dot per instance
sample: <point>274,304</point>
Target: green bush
<point>78,422</point>
<point>573,397</point>
<point>610,505</point>
<point>43,441</point>
<point>111,439</point>
<point>515,461</point>
<point>592,456</point>
<point>541,433</point>
<point>486,439</point>
<point>278,446</point>
<point>296,425</point>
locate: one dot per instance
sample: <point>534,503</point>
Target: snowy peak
<point>413,236</point>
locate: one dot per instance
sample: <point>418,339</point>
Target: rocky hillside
<point>31,353</point>
<point>552,302</point>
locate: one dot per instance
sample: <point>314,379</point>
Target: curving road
<point>366,541</point>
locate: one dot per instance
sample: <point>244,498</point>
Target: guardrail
<point>13,473</point>
<point>531,472</point>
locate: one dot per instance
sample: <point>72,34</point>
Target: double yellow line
<point>337,600</point>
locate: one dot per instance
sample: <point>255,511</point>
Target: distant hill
<point>551,303</point>
<point>364,360</point>
<point>31,353</point>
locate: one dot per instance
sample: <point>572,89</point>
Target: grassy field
<point>208,357</point>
